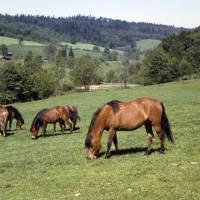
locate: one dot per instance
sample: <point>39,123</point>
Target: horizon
<point>177,13</point>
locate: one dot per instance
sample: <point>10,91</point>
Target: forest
<point>87,29</point>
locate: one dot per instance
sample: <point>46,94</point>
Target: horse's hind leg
<point>148,127</point>
<point>70,126</point>
<point>115,141</point>
<point>161,137</point>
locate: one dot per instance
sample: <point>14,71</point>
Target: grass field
<point>56,167</point>
<point>147,44</point>
<point>79,49</point>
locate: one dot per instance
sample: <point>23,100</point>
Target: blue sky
<point>180,13</point>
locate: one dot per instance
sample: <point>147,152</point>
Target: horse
<point>125,116</point>
<point>14,113</point>
<point>52,115</point>
<point>73,120</point>
<point>3,120</point>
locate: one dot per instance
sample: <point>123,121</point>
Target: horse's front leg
<point>9,124</point>
<point>150,136</point>
<point>111,137</point>
<point>44,129</point>
<point>54,127</point>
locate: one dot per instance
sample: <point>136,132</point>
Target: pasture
<point>79,49</point>
<point>56,167</point>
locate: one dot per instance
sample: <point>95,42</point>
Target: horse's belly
<point>130,122</point>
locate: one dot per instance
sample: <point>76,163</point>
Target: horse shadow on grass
<point>129,151</point>
<point>59,132</point>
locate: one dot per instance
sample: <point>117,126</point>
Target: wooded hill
<point>98,31</point>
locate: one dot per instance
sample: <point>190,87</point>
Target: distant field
<point>10,41</point>
<point>79,48</point>
<point>147,44</point>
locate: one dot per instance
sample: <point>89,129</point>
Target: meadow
<point>79,49</point>
<point>56,167</point>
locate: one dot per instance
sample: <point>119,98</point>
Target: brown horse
<point>52,115</point>
<point>3,120</point>
<point>128,115</point>
<point>73,120</point>
<point>14,114</point>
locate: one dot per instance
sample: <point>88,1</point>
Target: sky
<point>180,13</point>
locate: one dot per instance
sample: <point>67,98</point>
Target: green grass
<point>147,44</point>
<point>56,167</point>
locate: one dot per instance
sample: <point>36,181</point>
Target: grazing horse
<point>125,116</point>
<point>3,120</point>
<point>73,120</point>
<point>14,113</point>
<point>52,115</point>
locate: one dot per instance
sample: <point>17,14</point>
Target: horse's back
<point>134,113</point>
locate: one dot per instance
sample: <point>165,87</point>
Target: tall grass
<point>56,167</point>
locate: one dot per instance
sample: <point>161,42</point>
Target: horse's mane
<point>114,104</point>
<point>18,115</point>
<point>37,121</point>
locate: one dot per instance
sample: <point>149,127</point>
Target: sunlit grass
<point>56,167</point>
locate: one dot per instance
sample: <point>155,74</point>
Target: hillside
<point>86,29</point>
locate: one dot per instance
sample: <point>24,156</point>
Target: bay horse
<point>73,120</point>
<point>125,116</point>
<point>13,113</point>
<point>52,115</point>
<point>3,120</point>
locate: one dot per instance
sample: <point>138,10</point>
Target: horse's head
<point>93,145</point>
<point>34,132</point>
<point>19,123</point>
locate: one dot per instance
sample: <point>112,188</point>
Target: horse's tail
<point>73,115</point>
<point>165,125</point>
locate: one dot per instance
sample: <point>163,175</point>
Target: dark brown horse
<point>73,120</point>
<point>128,115</point>
<point>3,120</point>
<point>52,115</point>
<point>14,114</point>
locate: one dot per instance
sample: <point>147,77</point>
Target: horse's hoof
<point>107,156</point>
<point>147,153</point>
<point>161,151</point>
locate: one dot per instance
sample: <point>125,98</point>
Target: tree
<point>3,49</point>
<point>70,62</point>
<point>110,76</point>
<point>63,53</point>
<point>71,53</point>
<point>59,69</point>
<point>20,39</point>
<point>50,51</point>
<point>85,71</point>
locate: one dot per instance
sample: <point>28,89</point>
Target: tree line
<point>87,29</point>
<point>177,56</point>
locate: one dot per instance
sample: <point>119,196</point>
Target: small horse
<point>3,120</point>
<point>73,120</point>
<point>52,115</point>
<point>14,113</point>
<point>125,116</point>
